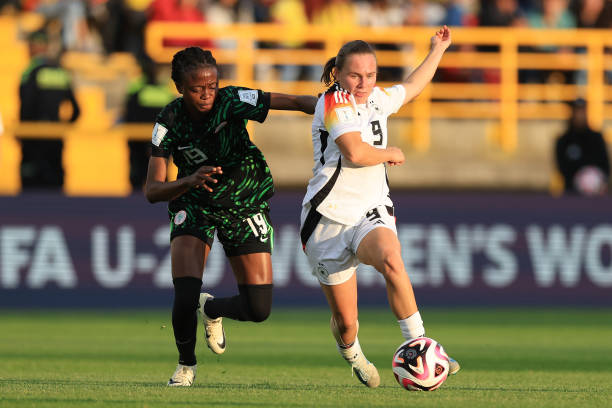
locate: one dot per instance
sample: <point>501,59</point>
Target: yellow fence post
<point>595,83</point>
<point>96,159</point>
<point>509,93</point>
<point>421,106</point>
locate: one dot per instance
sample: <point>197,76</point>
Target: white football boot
<point>183,376</point>
<point>453,366</point>
<point>213,328</point>
<point>365,371</point>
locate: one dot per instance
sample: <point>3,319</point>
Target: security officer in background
<point>46,94</point>
<point>146,98</point>
<point>581,155</point>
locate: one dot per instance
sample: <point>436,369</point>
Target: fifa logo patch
<point>180,217</point>
<point>248,96</point>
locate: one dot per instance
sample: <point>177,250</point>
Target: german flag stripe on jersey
<point>340,115</point>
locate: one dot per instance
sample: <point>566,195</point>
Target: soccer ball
<point>420,364</point>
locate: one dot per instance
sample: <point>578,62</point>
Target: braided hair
<point>190,59</point>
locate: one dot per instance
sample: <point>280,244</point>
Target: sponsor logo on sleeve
<point>248,96</point>
<point>345,114</point>
<point>159,131</point>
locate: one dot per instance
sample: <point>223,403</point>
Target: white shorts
<point>332,247</point>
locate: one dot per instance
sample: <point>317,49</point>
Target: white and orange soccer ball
<point>420,364</point>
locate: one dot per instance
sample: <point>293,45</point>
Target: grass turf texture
<point>509,357</point>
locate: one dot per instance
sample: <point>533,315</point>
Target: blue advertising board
<point>458,249</point>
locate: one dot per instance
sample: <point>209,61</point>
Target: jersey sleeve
<point>340,115</point>
<point>160,141</point>
<point>249,104</point>
<point>394,98</point>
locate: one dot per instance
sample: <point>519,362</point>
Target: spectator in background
<point>72,16</point>
<point>122,23</point>
<point>383,13</point>
<point>146,98</point>
<point>180,11</point>
<point>498,13</point>
<point>551,14</point>
<point>226,12</point>
<point>423,13</point>
<point>587,12</point>
<point>501,13</point>
<point>292,14</point>
<point>46,94</point>
<point>461,13</point>
<point>592,14</point>
<point>581,155</point>
<point>9,7</point>
<point>336,14</point>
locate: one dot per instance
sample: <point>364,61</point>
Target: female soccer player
<point>223,184</point>
<point>347,215</point>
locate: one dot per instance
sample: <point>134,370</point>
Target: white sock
<point>412,327</point>
<point>351,354</point>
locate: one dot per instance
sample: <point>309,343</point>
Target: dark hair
<point>190,59</point>
<point>350,48</point>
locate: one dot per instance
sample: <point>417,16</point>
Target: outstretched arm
<point>158,189</point>
<point>303,103</point>
<point>422,75</point>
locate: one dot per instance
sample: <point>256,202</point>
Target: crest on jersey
<point>159,131</point>
<point>180,217</point>
<point>345,114</point>
<point>376,107</point>
<point>321,269</point>
<point>248,96</point>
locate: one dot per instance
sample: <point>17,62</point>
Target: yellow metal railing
<point>507,101</point>
<point>95,157</point>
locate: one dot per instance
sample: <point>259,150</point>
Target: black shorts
<point>241,231</point>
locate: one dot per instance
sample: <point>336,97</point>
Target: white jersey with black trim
<point>341,190</point>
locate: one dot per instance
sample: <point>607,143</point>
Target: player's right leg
<point>342,299</point>
<point>188,254</point>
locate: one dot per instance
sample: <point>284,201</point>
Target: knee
<point>345,322</point>
<point>259,313</point>
<point>391,263</point>
<point>258,302</point>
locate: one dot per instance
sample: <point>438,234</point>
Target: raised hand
<point>441,39</point>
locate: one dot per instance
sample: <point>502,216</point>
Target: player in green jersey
<point>223,185</point>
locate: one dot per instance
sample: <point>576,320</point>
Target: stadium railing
<point>96,143</point>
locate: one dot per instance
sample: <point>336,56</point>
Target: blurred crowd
<point>107,26</point>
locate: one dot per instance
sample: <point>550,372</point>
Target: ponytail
<point>328,77</point>
<point>353,47</point>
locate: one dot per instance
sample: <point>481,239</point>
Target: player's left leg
<point>342,300</point>
<point>253,303</point>
<point>247,238</point>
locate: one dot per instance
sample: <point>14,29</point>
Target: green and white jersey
<point>219,139</point>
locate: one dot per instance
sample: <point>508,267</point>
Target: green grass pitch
<point>527,357</point>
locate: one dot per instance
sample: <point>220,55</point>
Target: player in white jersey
<point>347,215</point>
